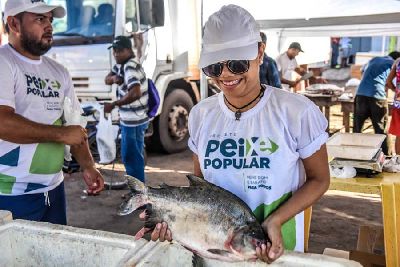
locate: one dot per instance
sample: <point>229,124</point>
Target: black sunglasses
<point>234,66</point>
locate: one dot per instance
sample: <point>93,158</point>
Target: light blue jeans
<point>132,150</point>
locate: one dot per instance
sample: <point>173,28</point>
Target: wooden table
<point>324,102</point>
<point>347,107</point>
<point>388,186</point>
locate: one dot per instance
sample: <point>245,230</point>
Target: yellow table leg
<point>307,225</point>
<point>391,222</point>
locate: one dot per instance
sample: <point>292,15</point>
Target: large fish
<point>204,218</point>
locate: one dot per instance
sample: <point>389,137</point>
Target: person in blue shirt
<point>269,73</point>
<point>371,96</point>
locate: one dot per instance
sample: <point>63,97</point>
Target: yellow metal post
<point>391,221</point>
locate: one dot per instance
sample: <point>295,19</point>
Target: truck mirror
<point>151,13</point>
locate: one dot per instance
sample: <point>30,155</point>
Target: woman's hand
<point>273,250</point>
<point>160,232</point>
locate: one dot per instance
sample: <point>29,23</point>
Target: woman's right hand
<point>160,232</point>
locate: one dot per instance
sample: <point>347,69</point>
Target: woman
<point>254,140</point>
<point>394,128</point>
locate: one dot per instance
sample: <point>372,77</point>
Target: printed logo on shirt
<point>44,88</point>
<point>239,154</point>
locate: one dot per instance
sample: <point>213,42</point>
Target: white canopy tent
<point>311,22</point>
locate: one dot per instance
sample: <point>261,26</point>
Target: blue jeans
<point>132,150</point>
<point>38,207</point>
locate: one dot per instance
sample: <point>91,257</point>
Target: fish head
<point>246,239</point>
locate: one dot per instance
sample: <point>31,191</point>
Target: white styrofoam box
<point>356,146</point>
<point>27,243</point>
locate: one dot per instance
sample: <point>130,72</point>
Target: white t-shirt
<point>286,67</point>
<point>36,90</point>
<point>258,158</point>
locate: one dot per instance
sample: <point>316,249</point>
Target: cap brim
<point>249,52</point>
<point>58,11</point>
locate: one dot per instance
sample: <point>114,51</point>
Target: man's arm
<point>290,83</point>
<point>389,81</point>
<point>91,175</point>
<point>17,129</point>
<point>133,94</point>
<point>112,78</point>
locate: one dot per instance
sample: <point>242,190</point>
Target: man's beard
<point>34,47</point>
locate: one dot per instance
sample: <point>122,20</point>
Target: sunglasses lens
<point>238,66</point>
<point>213,70</point>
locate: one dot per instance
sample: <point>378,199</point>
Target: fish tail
<point>135,184</point>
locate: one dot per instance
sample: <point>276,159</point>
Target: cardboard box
<point>355,71</point>
<point>370,248</point>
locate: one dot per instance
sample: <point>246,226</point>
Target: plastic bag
<point>72,117</point>
<point>105,139</point>
<point>392,164</point>
<point>343,172</point>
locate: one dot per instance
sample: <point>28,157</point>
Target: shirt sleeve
<point>132,75</point>
<point>114,70</point>
<point>313,132</point>
<point>192,142</point>
<point>7,92</point>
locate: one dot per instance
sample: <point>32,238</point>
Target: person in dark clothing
<point>335,51</point>
<point>269,73</point>
<point>371,96</point>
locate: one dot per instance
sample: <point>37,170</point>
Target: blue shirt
<point>269,73</point>
<point>374,78</point>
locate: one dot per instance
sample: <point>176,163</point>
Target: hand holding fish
<point>271,251</point>
<point>160,232</point>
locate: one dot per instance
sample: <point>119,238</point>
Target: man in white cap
<point>256,141</point>
<point>32,138</point>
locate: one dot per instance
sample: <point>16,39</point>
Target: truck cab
<point>81,42</point>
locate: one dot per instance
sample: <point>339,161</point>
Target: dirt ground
<point>335,219</point>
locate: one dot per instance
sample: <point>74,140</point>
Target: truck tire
<point>171,126</point>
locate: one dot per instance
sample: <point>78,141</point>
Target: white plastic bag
<point>105,139</point>
<point>72,117</point>
<point>392,164</point>
<point>343,172</point>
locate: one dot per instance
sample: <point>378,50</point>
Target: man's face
<point>122,54</point>
<point>36,32</point>
<point>293,52</point>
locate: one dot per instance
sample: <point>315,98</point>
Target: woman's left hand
<point>271,251</point>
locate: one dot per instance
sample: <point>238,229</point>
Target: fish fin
<point>197,261</point>
<point>219,252</point>
<point>195,180</point>
<point>135,184</point>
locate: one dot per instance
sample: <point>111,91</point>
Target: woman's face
<point>241,85</point>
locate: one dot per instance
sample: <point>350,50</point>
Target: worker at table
<point>288,66</point>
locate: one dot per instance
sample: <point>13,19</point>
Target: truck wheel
<point>172,125</point>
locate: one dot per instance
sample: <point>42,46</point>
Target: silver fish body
<point>204,218</point>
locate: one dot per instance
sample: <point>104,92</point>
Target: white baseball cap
<point>14,7</point>
<point>229,34</point>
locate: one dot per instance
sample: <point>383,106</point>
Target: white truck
<point>166,37</point>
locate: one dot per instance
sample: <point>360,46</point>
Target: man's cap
<point>296,45</point>
<point>121,42</point>
<point>229,34</point>
<point>14,7</point>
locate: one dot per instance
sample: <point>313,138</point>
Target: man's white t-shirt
<point>35,89</point>
<point>258,158</point>
<point>286,67</point>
